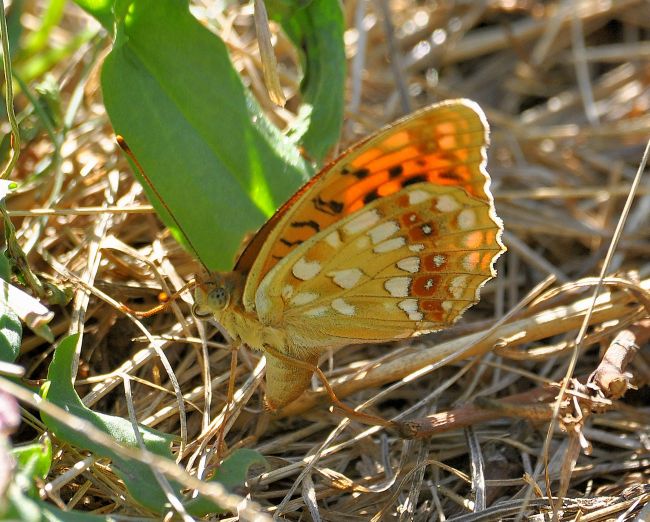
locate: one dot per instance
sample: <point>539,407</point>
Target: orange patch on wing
<point>395,158</point>
<point>425,286</point>
<point>432,309</point>
<point>449,127</point>
<point>448,142</point>
<point>364,158</point>
<point>417,233</point>
<point>474,240</point>
<point>410,218</point>
<point>399,139</point>
<point>434,262</point>
<point>388,188</point>
<point>473,259</point>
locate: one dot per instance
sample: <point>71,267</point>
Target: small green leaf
<point>33,462</point>
<point>21,507</point>
<point>316,29</point>
<point>231,473</point>
<point>37,456</point>
<point>138,478</point>
<point>5,267</point>
<point>11,333</point>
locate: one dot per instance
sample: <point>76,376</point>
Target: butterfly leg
<point>230,399</point>
<point>283,369</point>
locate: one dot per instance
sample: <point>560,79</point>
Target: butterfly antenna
<point>127,150</point>
<point>140,314</point>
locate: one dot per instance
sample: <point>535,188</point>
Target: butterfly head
<point>216,294</point>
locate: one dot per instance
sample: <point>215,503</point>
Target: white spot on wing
<point>362,222</point>
<point>398,286</point>
<point>383,231</point>
<point>447,204</point>
<point>343,307</point>
<point>467,219</point>
<point>389,245</point>
<point>470,261</point>
<point>447,306</point>
<point>418,196</point>
<point>458,285</point>
<point>262,302</point>
<point>305,270</point>
<point>333,239</point>
<point>347,278</point>
<point>303,298</point>
<point>410,306</point>
<point>417,247</point>
<point>438,260</point>
<point>287,292</point>
<point>409,264</point>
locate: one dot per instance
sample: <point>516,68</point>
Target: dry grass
<point>566,89</point>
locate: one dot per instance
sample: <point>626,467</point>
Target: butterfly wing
<point>408,263</point>
<point>443,144</point>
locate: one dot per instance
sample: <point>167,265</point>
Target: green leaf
<point>38,39</point>
<point>37,456</point>
<point>231,473</point>
<point>11,333</point>
<point>316,29</point>
<point>217,163</point>
<point>138,477</point>
<point>21,500</point>
<point>103,11</point>
<point>5,267</point>
<point>26,509</point>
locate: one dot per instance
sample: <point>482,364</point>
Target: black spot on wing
<point>395,172</point>
<point>311,223</point>
<point>451,175</point>
<point>419,178</point>
<point>370,196</point>
<point>332,207</point>
<point>290,243</point>
<point>361,173</point>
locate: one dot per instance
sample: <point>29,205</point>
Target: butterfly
<point>392,239</point>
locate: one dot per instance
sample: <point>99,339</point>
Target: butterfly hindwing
<point>409,262</point>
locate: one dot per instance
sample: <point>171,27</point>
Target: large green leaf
<point>218,164</point>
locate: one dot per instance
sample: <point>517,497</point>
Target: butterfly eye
<point>210,303</point>
<point>218,298</point>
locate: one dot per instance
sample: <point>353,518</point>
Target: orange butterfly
<point>392,239</point>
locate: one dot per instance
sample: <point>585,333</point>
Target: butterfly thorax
<point>219,296</point>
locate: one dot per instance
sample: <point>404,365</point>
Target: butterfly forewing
<point>442,145</point>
